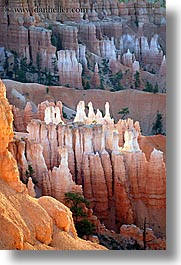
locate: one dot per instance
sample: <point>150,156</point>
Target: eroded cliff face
<point>37,224</point>
<point>134,233</point>
<point>80,34</point>
<point>28,223</point>
<point>122,184</point>
<point>8,166</point>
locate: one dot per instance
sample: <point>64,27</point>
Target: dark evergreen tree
<point>87,85</point>
<point>75,200</point>
<point>85,227</point>
<point>148,87</point>
<point>158,124</point>
<point>29,174</point>
<point>124,112</point>
<point>156,89</point>
<point>137,80</point>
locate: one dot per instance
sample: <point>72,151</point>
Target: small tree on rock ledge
<point>75,199</point>
<point>157,125</point>
<point>124,112</point>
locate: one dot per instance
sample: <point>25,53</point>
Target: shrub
<point>156,89</point>
<point>85,227</point>
<point>148,87</point>
<point>115,81</point>
<point>124,112</point>
<point>87,85</point>
<point>75,200</point>
<point>64,114</point>
<point>105,69</point>
<point>29,174</point>
<point>47,89</point>
<point>157,125</point>
<point>137,80</point>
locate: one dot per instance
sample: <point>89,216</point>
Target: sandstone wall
<point>134,100</point>
<point>27,223</point>
<point>8,165</point>
<point>117,178</point>
<point>105,31</point>
<point>37,224</point>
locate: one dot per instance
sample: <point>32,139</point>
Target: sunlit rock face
<point>52,115</point>
<point>8,166</point>
<point>122,185</point>
<point>28,223</point>
<point>163,67</point>
<point>49,112</point>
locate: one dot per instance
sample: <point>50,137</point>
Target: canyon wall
<point>143,106</point>
<point>75,41</point>
<point>122,185</point>
<point>28,223</point>
<point>8,166</point>
<point>70,70</point>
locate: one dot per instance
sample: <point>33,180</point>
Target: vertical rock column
<point>18,120</point>
<point>124,212</point>
<point>61,178</point>
<point>70,71</point>
<point>95,80</point>
<point>40,43</point>
<point>8,166</point>
<point>68,142</point>
<point>87,33</point>
<point>99,187</point>
<point>28,114</point>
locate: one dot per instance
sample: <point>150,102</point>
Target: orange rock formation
<point>123,184</point>
<point>27,223</point>
<point>132,232</point>
<point>133,99</point>
<point>8,167</point>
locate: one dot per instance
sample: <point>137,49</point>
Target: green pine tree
<point>75,200</point>
<point>137,80</point>
<point>158,124</point>
<point>124,112</point>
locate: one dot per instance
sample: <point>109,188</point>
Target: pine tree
<point>148,87</point>
<point>157,125</point>
<point>124,112</point>
<point>75,201</point>
<point>38,66</point>
<point>87,85</point>
<point>137,80</point>
<point>156,89</point>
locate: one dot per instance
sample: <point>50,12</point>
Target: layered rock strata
<point>105,158</point>
<point>46,111</point>
<point>37,224</point>
<point>70,70</point>
<point>94,31</point>
<point>28,223</point>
